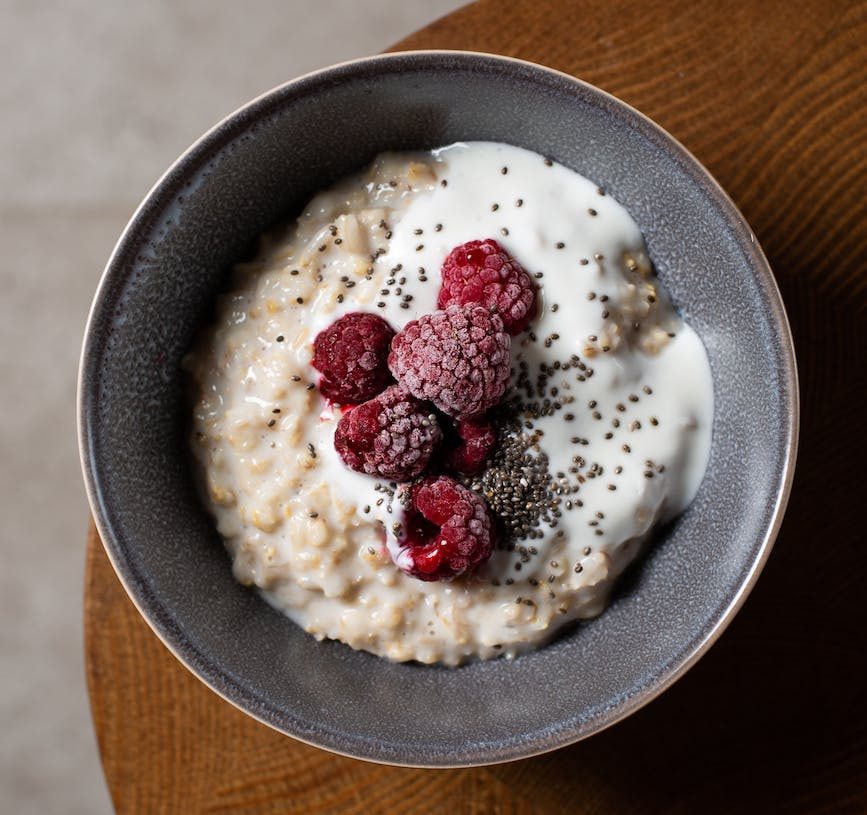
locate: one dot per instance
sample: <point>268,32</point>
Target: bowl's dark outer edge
<point>195,157</point>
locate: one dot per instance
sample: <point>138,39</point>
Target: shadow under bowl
<point>258,167</point>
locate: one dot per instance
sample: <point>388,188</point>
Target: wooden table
<point>771,96</point>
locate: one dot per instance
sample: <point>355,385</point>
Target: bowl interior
<point>259,167</point>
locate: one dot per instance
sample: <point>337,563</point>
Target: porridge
<point>504,402</point>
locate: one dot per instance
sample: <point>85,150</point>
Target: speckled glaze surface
<point>258,167</point>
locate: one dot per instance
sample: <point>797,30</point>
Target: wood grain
<point>771,96</point>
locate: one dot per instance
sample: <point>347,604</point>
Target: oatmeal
<point>602,431</point>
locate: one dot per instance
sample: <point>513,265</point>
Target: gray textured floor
<point>97,99</point>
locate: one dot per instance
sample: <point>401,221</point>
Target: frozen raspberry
<point>392,436</point>
<point>446,530</point>
<point>482,272</point>
<point>351,354</point>
<point>468,446</point>
<point>458,359</point>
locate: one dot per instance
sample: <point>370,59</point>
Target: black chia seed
<point>517,484</point>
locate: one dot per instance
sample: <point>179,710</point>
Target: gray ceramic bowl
<point>258,167</point>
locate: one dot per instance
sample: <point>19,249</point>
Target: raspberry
<point>446,530</point>
<point>482,272</point>
<point>458,359</point>
<point>469,445</point>
<point>392,436</point>
<point>351,354</point>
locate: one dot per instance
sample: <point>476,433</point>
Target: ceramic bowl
<point>257,168</point>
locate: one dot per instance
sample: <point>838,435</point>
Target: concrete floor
<point>98,98</point>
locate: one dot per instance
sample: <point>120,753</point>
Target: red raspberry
<point>446,530</point>
<point>351,354</point>
<point>482,272</point>
<point>468,447</point>
<point>392,436</point>
<point>458,359</point>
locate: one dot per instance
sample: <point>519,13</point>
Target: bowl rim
<point>516,749</point>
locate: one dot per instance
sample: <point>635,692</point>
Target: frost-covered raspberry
<point>457,358</point>
<point>392,436</point>
<point>482,272</point>
<point>467,447</point>
<point>446,530</point>
<point>351,354</point>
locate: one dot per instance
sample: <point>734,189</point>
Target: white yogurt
<point>637,404</point>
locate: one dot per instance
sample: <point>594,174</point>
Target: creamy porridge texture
<point>606,429</point>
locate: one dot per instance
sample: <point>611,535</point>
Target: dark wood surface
<point>772,97</point>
